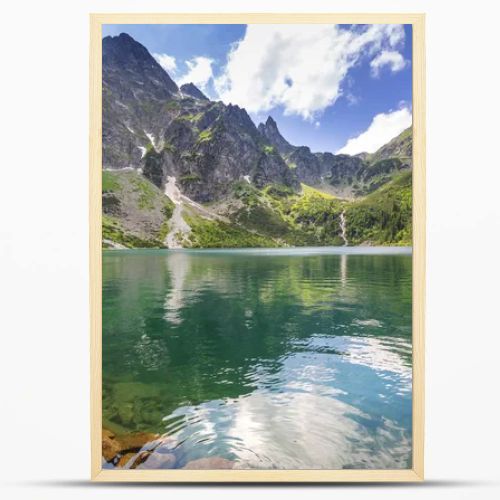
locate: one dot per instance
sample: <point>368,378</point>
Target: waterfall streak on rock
<point>343,228</point>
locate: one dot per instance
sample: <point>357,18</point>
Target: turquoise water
<point>288,359</point>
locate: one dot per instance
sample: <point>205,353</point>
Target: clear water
<point>289,359</point>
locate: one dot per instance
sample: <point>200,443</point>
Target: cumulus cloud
<point>166,62</point>
<point>383,128</point>
<point>199,72</point>
<point>298,67</point>
<point>391,58</point>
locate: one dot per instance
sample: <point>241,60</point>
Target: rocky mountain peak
<point>270,123</point>
<point>192,90</point>
<point>271,132</point>
<point>124,55</point>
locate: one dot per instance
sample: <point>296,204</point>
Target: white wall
<point>44,450</point>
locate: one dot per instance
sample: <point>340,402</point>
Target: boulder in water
<point>114,445</point>
<point>110,446</point>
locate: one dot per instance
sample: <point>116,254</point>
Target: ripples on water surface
<point>289,359</point>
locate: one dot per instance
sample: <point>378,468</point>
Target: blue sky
<point>330,87</point>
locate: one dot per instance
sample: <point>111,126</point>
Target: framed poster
<point>257,247</point>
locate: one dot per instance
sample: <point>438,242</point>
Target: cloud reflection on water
<point>298,428</point>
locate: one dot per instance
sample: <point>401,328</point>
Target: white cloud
<point>383,128</point>
<point>199,72</point>
<point>166,62</point>
<point>299,67</point>
<point>199,69</point>
<point>390,58</point>
<point>317,124</point>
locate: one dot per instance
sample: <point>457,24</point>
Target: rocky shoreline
<point>144,450</point>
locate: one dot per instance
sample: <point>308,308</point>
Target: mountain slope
<point>135,212</point>
<point>384,217</point>
<point>399,147</point>
<point>148,123</point>
<point>135,90</point>
<point>184,171</point>
<point>209,146</point>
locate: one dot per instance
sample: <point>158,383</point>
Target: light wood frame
<point>318,476</point>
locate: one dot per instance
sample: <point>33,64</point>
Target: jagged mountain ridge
<point>148,123</point>
<point>208,146</point>
<point>253,178</point>
<point>341,174</point>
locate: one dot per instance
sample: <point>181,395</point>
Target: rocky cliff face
<point>148,123</point>
<point>135,93</point>
<point>208,147</point>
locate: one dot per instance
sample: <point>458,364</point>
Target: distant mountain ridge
<point>208,152</point>
<point>338,172</point>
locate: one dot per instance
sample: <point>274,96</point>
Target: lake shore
<point>144,450</point>
<point>299,251</point>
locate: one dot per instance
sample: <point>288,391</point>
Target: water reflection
<point>343,269</point>
<point>175,300</point>
<point>282,361</point>
<point>291,430</point>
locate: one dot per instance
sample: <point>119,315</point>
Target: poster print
<point>257,219</point>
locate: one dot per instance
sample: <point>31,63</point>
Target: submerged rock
<point>136,440</point>
<point>158,461</point>
<point>132,405</point>
<point>116,447</point>
<point>209,463</point>
<point>110,446</point>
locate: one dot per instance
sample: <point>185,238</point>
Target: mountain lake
<point>295,358</point>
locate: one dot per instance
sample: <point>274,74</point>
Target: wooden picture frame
<point>184,476</point>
